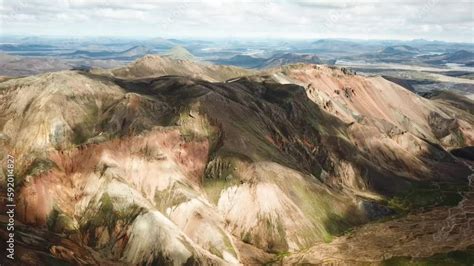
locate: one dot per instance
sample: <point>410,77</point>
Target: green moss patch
<point>108,216</point>
<point>169,197</point>
<point>428,195</point>
<point>453,258</point>
<point>214,187</point>
<point>60,223</point>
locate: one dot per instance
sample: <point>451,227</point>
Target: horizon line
<point>58,36</point>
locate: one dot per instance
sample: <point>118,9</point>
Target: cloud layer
<point>367,19</point>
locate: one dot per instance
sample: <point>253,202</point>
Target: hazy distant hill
<point>128,54</point>
<point>25,47</point>
<point>390,54</point>
<point>275,60</point>
<point>84,53</point>
<point>15,65</point>
<point>400,50</point>
<point>290,58</point>
<point>161,43</point>
<point>181,53</point>
<point>457,57</point>
<point>241,61</point>
<point>136,51</point>
<point>335,45</point>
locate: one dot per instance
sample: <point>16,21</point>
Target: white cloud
<point>399,19</point>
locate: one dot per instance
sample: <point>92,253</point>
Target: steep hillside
<point>135,166</point>
<point>375,101</point>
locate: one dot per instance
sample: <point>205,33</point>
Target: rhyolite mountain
<point>172,162</point>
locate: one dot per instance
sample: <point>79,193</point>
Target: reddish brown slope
<point>217,169</point>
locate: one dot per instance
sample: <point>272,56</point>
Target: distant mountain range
<point>405,54</point>
<point>275,60</point>
<point>175,52</point>
<point>133,52</point>
<point>248,54</point>
<point>25,47</point>
<point>338,45</point>
<point>402,50</point>
<point>457,57</point>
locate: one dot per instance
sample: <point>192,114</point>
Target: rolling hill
<point>155,65</point>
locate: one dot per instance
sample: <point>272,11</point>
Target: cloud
<point>399,19</point>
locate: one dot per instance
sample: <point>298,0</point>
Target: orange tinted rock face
<point>147,162</point>
<point>36,201</point>
<point>390,126</point>
<point>352,97</point>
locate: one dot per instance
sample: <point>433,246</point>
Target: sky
<point>448,20</point>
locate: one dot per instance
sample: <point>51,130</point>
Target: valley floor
<point>440,236</point>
